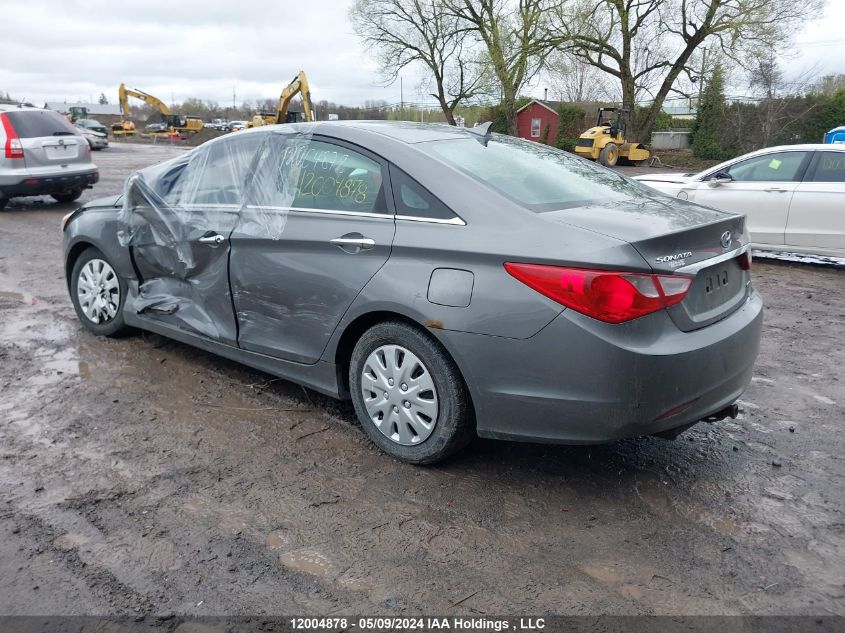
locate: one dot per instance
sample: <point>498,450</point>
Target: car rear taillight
<point>745,260</point>
<point>14,148</point>
<point>606,295</point>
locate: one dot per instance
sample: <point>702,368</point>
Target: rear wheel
<point>409,395</point>
<point>67,196</point>
<point>609,155</point>
<point>98,293</point>
<point>3,202</point>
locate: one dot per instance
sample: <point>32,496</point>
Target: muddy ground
<point>143,476</point>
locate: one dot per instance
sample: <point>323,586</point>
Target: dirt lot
<point>143,476</point>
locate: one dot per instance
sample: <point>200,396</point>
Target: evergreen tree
<point>707,130</point>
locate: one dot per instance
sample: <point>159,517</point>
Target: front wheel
<point>98,293</point>
<point>609,155</point>
<point>409,395</point>
<point>67,196</point>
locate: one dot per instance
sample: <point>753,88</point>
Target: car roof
<point>800,147</point>
<point>402,131</point>
<point>7,107</point>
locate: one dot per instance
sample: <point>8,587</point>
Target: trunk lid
<point>677,237</point>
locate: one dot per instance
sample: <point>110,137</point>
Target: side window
<point>412,199</point>
<point>216,174</point>
<point>830,167</point>
<point>309,174</point>
<point>535,128</point>
<point>778,167</point>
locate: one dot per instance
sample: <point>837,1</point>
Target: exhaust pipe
<point>730,411</point>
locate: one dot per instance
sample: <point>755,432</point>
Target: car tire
<point>68,196</point>
<point>3,202</point>
<point>609,155</point>
<point>430,376</point>
<point>106,317</point>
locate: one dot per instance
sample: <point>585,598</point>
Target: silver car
<point>96,140</point>
<point>451,282</point>
<point>42,154</point>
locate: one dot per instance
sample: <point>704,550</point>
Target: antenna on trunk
<point>484,132</point>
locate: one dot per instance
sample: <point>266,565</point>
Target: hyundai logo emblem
<point>726,239</point>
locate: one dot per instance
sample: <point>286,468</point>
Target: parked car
<point>43,154</point>
<point>234,126</point>
<point>793,196</point>
<point>91,124</point>
<point>96,140</point>
<point>155,127</point>
<point>451,282</point>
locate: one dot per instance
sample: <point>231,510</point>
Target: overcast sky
<point>57,50</point>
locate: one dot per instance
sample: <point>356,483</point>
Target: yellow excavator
<point>606,142</point>
<point>176,124</point>
<point>299,85</point>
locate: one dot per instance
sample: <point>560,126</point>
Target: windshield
<point>536,176</point>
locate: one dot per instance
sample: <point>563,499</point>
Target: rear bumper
<point>580,381</point>
<point>41,185</point>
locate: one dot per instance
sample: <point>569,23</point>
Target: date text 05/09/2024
<point>454,623</point>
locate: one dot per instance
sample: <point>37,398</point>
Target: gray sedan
<point>451,282</point>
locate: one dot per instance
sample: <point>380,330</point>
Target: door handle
<point>214,240</point>
<point>775,190</point>
<point>364,243</point>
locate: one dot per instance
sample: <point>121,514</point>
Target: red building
<point>534,117</point>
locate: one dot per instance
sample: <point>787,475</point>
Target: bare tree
<point>830,84</point>
<point>647,44</point>
<point>516,36</point>
<point>775,112</point>
<point>421,32</point>
<point>572,79</point>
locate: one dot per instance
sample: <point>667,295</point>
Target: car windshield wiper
<point>64,133</point>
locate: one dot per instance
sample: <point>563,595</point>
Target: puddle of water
<point>23,297</point>
<point>277,540</point>
<point>308,561</point>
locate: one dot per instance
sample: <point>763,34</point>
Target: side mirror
<point>720,178</point>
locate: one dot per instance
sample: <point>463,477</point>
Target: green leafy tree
<point>829,114</point>
<point>571,122</point>
<point>498,114</point>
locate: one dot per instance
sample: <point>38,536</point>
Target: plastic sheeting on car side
<point>177,218</point>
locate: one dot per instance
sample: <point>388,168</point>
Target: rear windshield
<point>35,123</point>
<point>535,176</point>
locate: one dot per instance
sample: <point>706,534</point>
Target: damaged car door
<point>315,227</point>
<point>180,221</point>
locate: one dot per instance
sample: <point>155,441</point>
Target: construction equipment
<point>299,85</point>
<point>77,112</point>
<point>176,124</point>
<point>607,142</point>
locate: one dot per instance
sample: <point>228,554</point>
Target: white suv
<point>42,153</point>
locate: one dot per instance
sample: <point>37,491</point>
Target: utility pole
<point>234,96</point>
<point>401,100</point>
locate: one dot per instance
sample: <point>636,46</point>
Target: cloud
<point>56,50</point>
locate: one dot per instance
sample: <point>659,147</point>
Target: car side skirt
<point>321,376</point>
